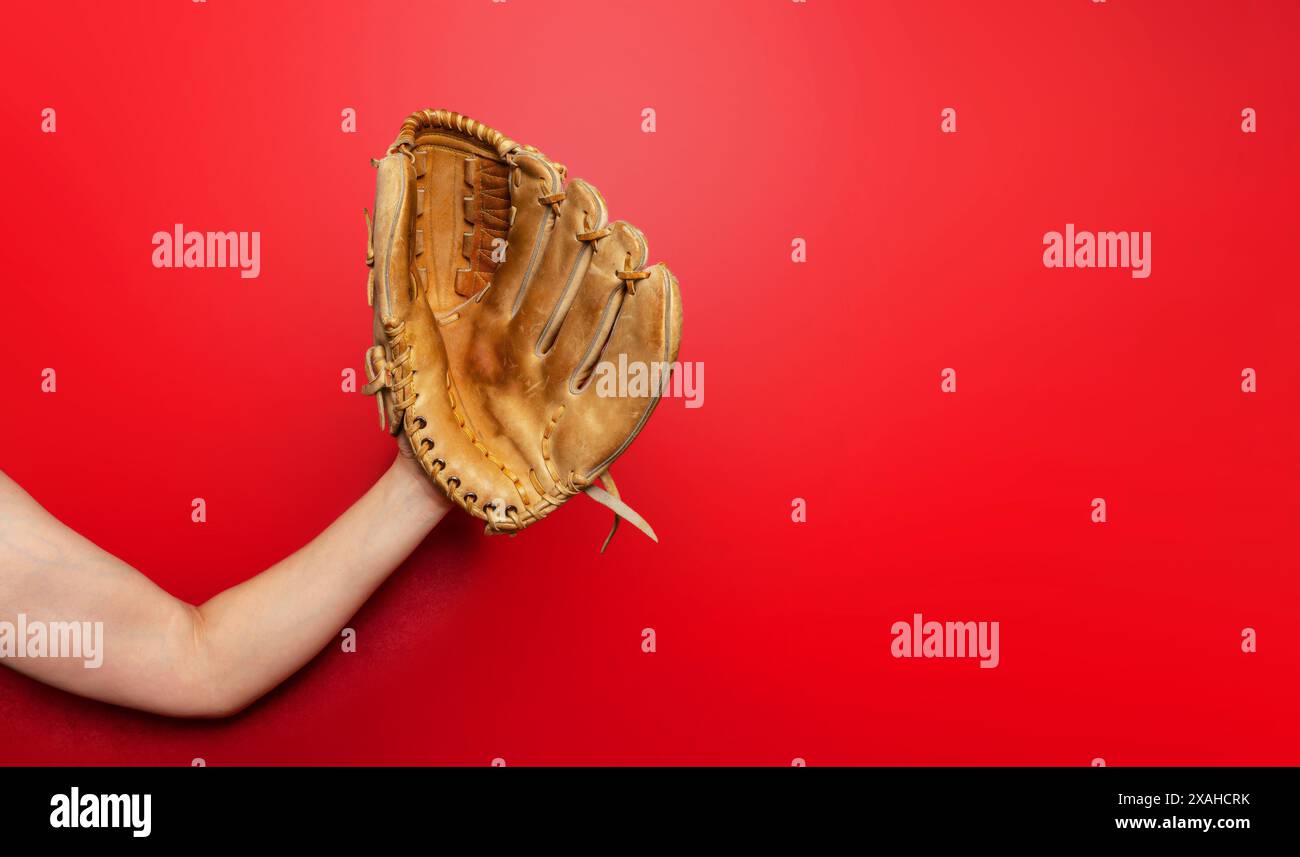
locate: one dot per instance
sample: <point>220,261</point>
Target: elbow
<point>191,697</point>
<point>204,704</point>
<point>204,690</point>
<point>187,707</point>
<point>220,709</point>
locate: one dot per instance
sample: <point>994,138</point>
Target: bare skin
<point>169,657</point>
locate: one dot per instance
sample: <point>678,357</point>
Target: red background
<point>775,120</point>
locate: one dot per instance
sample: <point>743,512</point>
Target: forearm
<point>254,635</point>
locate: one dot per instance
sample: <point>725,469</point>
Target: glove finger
<point>541,307</point>
<point>590,320</point>
<point>602,420</point>
<point>390,284</point>
<point>394,210</point>
<point>533,181</point>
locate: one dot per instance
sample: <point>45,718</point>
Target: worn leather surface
<point>497,289</point>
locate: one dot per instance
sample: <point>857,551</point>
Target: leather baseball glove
<point>497,291</point>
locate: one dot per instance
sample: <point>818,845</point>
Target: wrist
<point>415,492</point>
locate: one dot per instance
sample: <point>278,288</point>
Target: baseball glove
<point>498,290</point>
